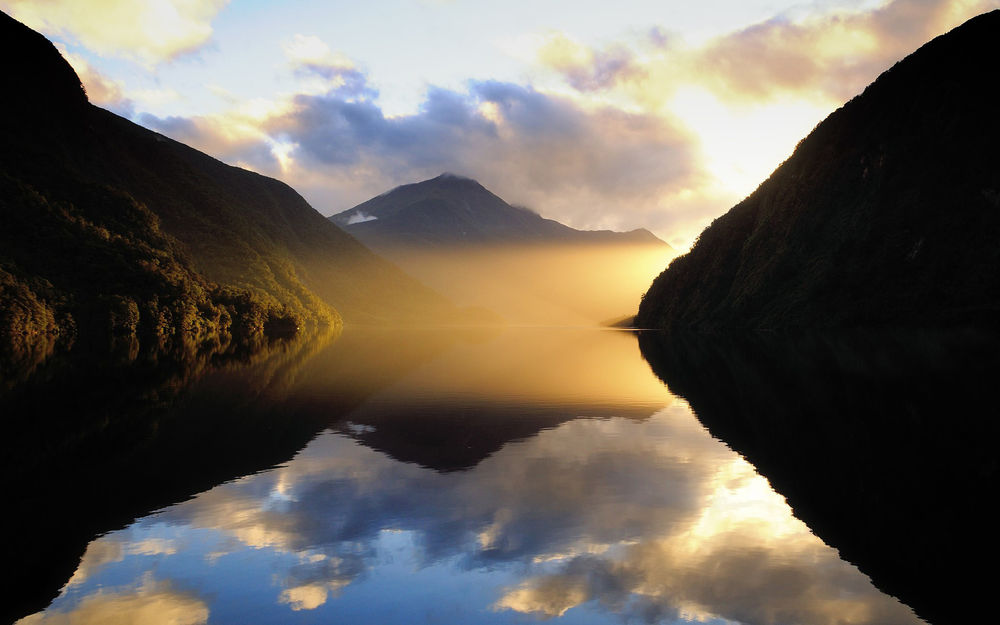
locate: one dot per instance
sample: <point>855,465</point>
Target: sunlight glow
<point>743,144</point>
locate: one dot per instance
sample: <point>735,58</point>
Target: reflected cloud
<point>152,603</point>
<point>547,597</point>
<point>627,519</point>
<point>649,518</point>
<point>310,596</point>
<point>101,553</point>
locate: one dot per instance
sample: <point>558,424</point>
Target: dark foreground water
<point>419,477</point>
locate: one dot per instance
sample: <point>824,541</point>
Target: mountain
<point>887,213</point>
<point>454,210</point>
<point>109,228</point>
<point>465,242</point>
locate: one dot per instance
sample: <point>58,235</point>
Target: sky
<point>619,115</point>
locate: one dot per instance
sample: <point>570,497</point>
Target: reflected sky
<point>591,520</point>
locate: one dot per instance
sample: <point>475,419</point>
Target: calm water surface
<point>500,477</point>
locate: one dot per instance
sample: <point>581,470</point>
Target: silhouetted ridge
<point>38,81</point>
<point>888,212</point>
<point>107,228</point>
<point>452,209</point>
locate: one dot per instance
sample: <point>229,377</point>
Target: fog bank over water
<point>540,284</point>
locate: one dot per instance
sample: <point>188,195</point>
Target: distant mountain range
<point>453,234</point>
<point>454,210</point>
<point>109,228</point>
<point>887,213</point>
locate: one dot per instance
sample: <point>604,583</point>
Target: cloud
<point>569,161</point>
<point>360,217</point>
<point>310,57</point>
<point>829,56</point>
<point>152,603</point>
<point>747,97</point>
<point>549,597</point>
<point>654,133</point>
<point>548,152</point>
<point>232,138</point>
<point>835,55</point>
<point>587,69</point>
<point>149,31</point>
<point>101,90</point>
<point>101,553</point>
<point>648,519</point>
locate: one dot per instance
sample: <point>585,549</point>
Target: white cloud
<point>149,31</point>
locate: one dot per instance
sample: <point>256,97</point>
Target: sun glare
<point>742,144</point>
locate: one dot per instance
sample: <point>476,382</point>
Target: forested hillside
<point>108,230</point>
<point>887,213</point>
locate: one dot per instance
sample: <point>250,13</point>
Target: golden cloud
<point>743,558</point>
<point>310,596</point>
<point>101,90</point>
<point>148,31</point>
<point>153,603</point>
<point>549,597</point>
<point>828,57</point>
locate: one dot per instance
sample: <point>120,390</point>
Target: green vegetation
<point>112,233</point>
<point>108,274</point>
<point>887,213</point>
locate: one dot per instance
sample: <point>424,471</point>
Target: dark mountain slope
<point>888,212</point>
<point>453,210</point>
<point>95,207</point>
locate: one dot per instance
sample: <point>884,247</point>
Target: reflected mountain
<point>881,441</point>
<point>91,445</point>
<point>449,436</point>
<point>496,387</point>
<point>593,521</point>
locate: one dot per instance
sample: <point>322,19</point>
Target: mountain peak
<point>43,85</point>
<point>456,210</point>
<point>446,176</point>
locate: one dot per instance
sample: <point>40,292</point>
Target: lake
<point>418,476</point>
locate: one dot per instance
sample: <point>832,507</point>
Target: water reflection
<point>90,444</point>
<point>883,441</point>
<point>637,516</point>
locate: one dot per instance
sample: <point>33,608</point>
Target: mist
<point>536,284</point>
